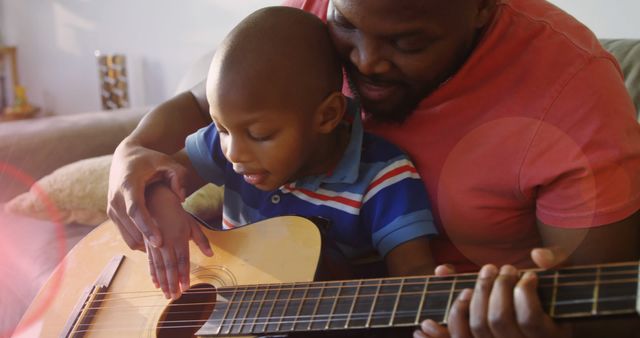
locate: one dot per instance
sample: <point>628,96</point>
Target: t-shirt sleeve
<point>396,206</point>
<point>205,154</point>
<point>585,156</point>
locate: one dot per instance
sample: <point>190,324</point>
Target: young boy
<point>280,151</point>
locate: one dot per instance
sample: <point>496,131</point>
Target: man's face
<point>398,52</point>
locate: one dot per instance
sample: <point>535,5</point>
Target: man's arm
<point>142,158</point>
<point>502,305</point>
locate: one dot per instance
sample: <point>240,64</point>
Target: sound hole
<point>184,316</point>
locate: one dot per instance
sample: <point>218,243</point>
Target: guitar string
<point>423,279</point>
<point>230,323</point>
<point>367,301</point>
<point>156,294</point>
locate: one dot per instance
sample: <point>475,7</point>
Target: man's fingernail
<point>508,270</point>
<point>153,239</point>
<point>465,295</point>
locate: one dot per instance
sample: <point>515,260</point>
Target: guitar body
<point>282,249</point>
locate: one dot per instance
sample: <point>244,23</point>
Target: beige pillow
<point>79,192</point>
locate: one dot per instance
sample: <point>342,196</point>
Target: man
<point>518,123</point>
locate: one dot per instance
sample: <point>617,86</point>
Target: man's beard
<point>397,115</point>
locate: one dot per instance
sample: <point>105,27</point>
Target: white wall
<point>606,18</point>
<point>56,40</point>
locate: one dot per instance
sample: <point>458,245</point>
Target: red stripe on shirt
<point>338,199</point>
<point>395,172</point>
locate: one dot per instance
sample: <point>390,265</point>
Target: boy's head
<point>274,94</point>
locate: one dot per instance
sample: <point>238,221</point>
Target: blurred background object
<point>114,87</point>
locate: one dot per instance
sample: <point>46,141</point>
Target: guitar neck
<point>598,290</point>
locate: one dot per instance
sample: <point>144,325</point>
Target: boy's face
<point>268,147</point>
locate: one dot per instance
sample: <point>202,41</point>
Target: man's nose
<point>367,56</point>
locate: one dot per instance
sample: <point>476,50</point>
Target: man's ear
<point>330,112</point>
<point>486,10</point>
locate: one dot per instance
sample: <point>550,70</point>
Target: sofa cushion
<point>79,193</point>
<point>627,51</point>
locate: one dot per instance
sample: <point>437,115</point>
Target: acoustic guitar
<point>260,282</point>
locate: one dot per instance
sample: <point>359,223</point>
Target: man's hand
<point>133,169</point>
<point>169,264</point>
<point>500,305</point>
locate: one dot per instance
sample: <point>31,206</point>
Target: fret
<point>307,305</point>
<point>264,314</point>
<point>230,316</point>
<point>385,301</point>
<point>333,306</point>
<point>638,289</point>
<point>325,306</point>
<point>437,298</point>
<point>396,303</point>
<point>596,289</point>
<point>318,290</point>
<point>618,289</point>
<point>450,301</point>
<point>422,299</point>
<point>552,306</point>
<point>221,308</point>
<point>284,292</point>
<point>292,310</point>
<point>261,295</point>
<point>283,303</point>
<point>353,303</point>
<point>363,304</point>
<point>300,314</point>
<point>344,305</point>
<point>574,292</point>
<point>243,310</point>
<point>373,303</point>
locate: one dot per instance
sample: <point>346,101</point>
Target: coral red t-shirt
<point>537,124</point>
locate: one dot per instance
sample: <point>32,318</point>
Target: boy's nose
<point>235,151</point>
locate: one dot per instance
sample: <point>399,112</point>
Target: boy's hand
<point>133,169</point>
<point>169,265</point>
<point>501,305</point>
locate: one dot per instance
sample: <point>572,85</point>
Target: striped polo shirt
<point>374,197</point>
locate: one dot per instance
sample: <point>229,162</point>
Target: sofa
<point>31,248</point>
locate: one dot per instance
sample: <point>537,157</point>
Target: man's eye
<point>410,45</point>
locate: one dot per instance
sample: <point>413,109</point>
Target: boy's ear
<point>330,112</point>
<point>486,10</point>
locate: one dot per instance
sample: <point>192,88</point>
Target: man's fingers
<point>130,234</point>
<point>152,269</point>
<point>501,313</point>
<point>547,258</point>
<point>459,316</point>
<point>479,305</point>
<point>175,177</point>
<point>445,270</point>
<point>432,329</point>
<point>529,313</point>
<point>135,205</point>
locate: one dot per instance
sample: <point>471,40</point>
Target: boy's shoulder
<point>376,149</point>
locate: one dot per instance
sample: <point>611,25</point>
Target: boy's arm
<point>411,258</point>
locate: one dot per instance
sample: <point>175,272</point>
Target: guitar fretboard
<point>395,302</point>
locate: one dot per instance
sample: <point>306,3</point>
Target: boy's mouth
<point>255,179</point>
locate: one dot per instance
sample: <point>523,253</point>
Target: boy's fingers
<point>152,270</point>
<point>445,270</point>
<point>200,239</point>
<point>182,257</point>
<point>171,271</point>
<point>158,266</point>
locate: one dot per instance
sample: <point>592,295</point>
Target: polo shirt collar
<point>346,171</point>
